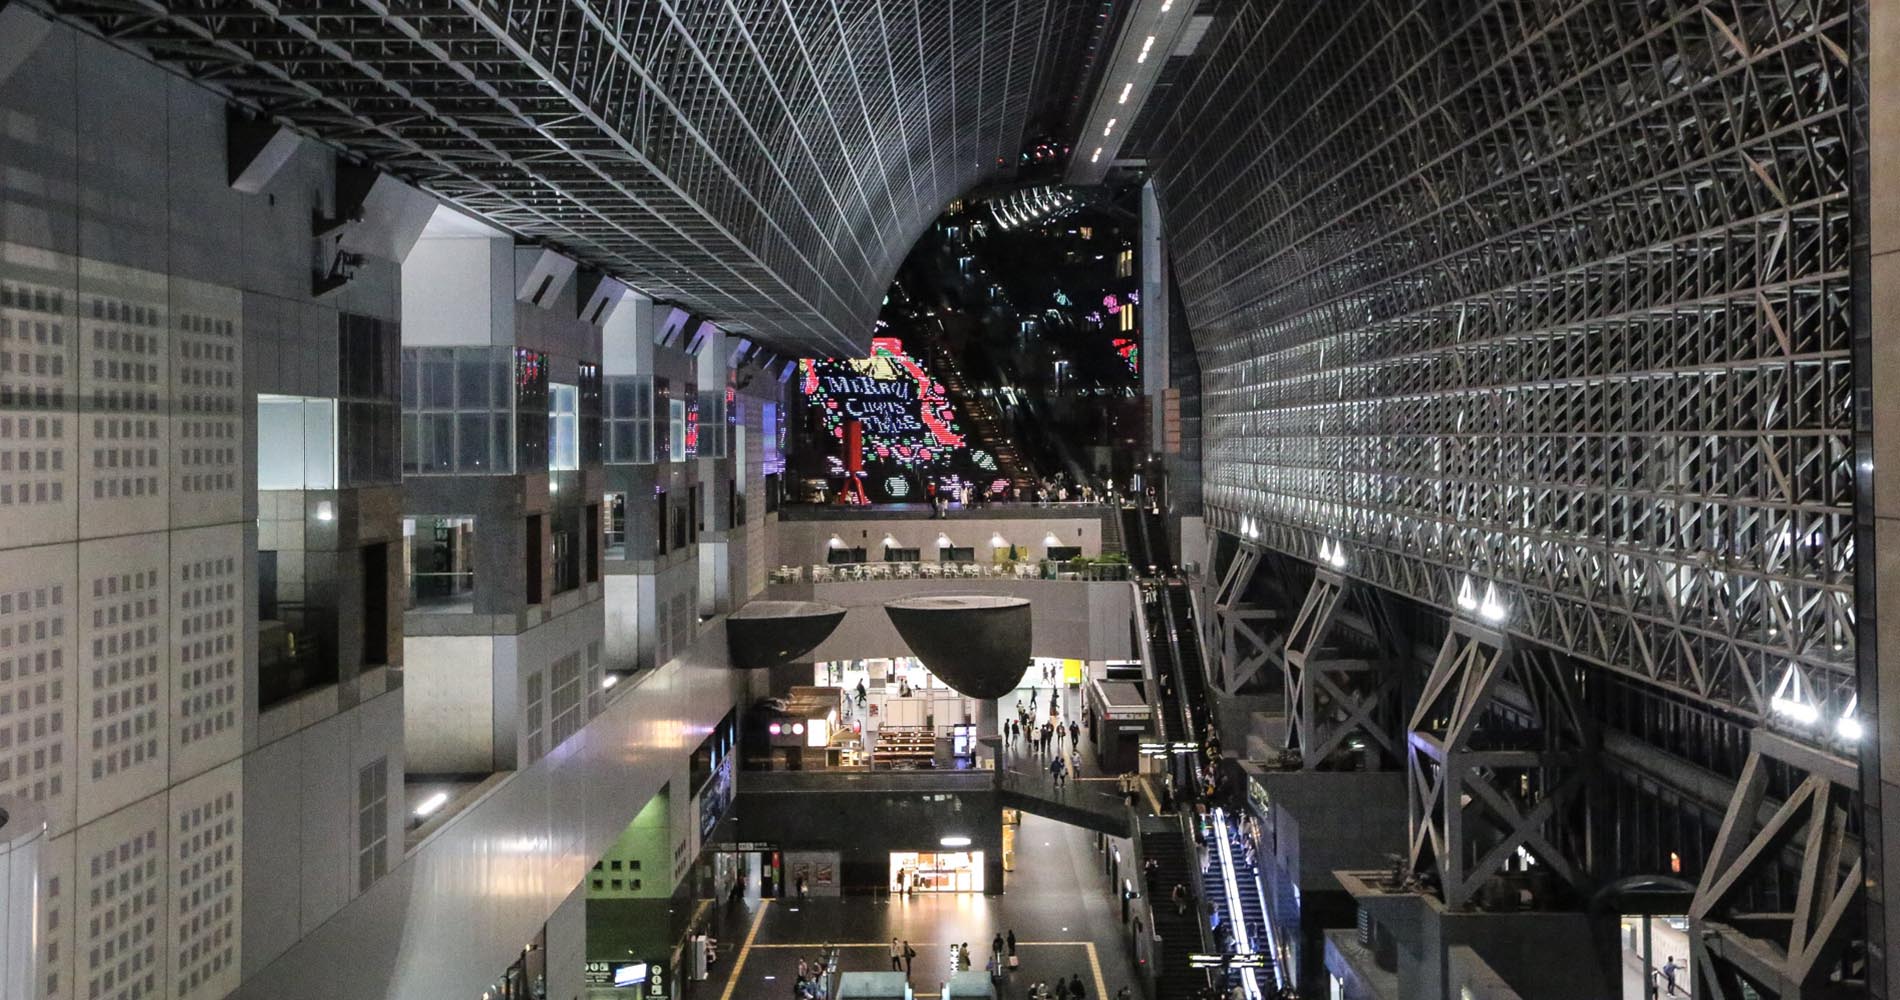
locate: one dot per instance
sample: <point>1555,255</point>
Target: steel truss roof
<point>766,162</point>
<point>1554,294</point>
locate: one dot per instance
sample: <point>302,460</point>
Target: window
<point>710,440</point>
<point>563,426</point>
<point>630,420</point>
<point>456,404</point>
<point>439,563</point>
<point>614,524</point>
<point>372,822</point>
<point>566,527</point>
<point>532,716</point>
<point>369,414</point>
<point>591,430</point>
<point>676,430</point>
<point>531,409</point>
<point>296,443</point>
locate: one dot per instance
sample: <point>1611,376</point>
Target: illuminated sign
<point>904,414</point>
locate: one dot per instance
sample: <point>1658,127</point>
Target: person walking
<point>1669,971</point>
<point>1011,940</point>
<point>1075,735</point>
<point>1075,987</point>
<point>897,956</point>
<point>910,955</point>
<point>1055,772</point>
<point>963,957</point>
<point>997,944</point>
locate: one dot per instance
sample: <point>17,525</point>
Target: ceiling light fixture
<point>955,841</point>
<point>1110,127</point>
<point>1126,89</point>
<point>432,803</point>
<point>1098,155</point>
<point>1146,47</point>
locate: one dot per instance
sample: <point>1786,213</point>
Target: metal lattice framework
<point>767,163</point>
<point>1554,294</point>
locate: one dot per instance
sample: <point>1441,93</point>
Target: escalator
<point>1134,541</point>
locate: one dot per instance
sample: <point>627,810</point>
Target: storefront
<point>936,871</point>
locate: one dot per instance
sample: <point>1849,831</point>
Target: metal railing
<point>1044,569</point>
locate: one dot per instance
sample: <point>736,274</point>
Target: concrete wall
<point>449,916</point>
<point>137,274</point>
<point>805,542</point>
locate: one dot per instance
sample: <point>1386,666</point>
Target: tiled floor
<point>1058,901</point>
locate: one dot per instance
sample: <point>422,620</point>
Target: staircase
<point>1161,840</point>
<point>983,421</point>
<point>1128,528</point>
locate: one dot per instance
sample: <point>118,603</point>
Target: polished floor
<point>1058,901</point>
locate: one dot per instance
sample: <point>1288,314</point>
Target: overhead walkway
<point>1090,800</point>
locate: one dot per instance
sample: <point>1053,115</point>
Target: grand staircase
<point>1161,840</point>
<point>983,421</point>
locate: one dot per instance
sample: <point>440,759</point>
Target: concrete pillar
<point>1154,313</point>
<point>1877,542</point>
<point>22,834</point>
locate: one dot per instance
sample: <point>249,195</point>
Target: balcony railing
<point>1044,569</point>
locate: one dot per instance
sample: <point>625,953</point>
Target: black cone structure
<point>977,644</point>
<point>768,633</point>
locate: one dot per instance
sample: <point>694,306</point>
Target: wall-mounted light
<point>943,540</point>
<point>1332,553</point>
<point>326,511</point>
<point>836,542</point>
<point>954,841</point>
<point>1791,699</point>
<point>1467,599</point>
<point>554,486</point>
<point>1848,727</point>
<point>609,681</point>
<point>997,540</point>
<point>1492,609</point>
<point>1050,539</point>
<point>890,541</point>
<point>432,803</point>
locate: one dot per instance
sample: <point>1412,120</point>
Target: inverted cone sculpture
<point>977,644</point>
<point>767,633</point>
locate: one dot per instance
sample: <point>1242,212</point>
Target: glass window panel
<point>439,440</point>
<point>471,442</point>
<point>499,424</point>
<point>410,374</point>
<point>438,379</point>
<point>411,444</point>
<point>472,378</point>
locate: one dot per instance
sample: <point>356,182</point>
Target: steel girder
<point>1331,694</point>
<point>1553,294</point>
<point>1241,649</point>
<point>1495,765</point>
<point>767,163</point>
<point>1751,937</point>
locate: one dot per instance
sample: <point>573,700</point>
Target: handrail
<point>1042,569</point>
